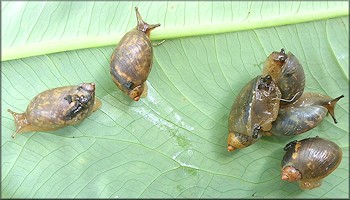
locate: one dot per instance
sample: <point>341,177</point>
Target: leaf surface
<point>173,142</point>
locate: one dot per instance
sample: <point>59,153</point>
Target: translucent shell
<point>253,111</point>
<point>304,114</point>
<point>56,108</point>
<point>131,61</point>
<point>309,161</point>
<point>288,74</point>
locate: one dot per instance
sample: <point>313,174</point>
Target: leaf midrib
<point>67,44</point>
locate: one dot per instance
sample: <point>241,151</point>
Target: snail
<point>309,161</point>
<point>304,114</point>
<point>131,61</point>
<point>287,73</point>
<point>252,112</point>
<point>55,108</point>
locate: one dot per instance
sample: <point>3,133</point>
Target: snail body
<point>131,61</point>
<point>253,111</point>
<point>287,73</point>
<point>58,107</point>
<point>304,114</point>
<point>309,161</point>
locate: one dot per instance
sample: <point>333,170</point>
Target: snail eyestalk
<point>142,25</point>
<point>20,121</point>
<point>330,105</point>
<point>159,43</point>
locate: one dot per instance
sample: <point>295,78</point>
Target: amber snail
<point>252,112</point>
<point>58,107</point>
<point>131,61</point>
<point>304,114</point>
<point>288,74</point>
<point>309,161</point>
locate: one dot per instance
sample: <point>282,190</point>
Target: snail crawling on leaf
<point>55,108</point>
<point>309,161</point>
<point>304,114</point>
<point>131,61</point>
<point>252,112</point>
<point>288,74</point>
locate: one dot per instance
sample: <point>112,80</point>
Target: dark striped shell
<point>253,111</point>
<point>56,108</point>
<point>131,61</point>
<point>309,161</point>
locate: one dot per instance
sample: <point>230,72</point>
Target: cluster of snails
<point>274,103</point>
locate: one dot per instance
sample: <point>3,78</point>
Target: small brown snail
<point>56,108</point>
<point>287,73</point>
<point>252,112</point>
<point>309,161</point>
<point>304,114</point>
<point>131,61</point>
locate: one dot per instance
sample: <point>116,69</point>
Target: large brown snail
<point>304,114</point>
<point>252,112</point>
<point>309,161</point>
<point>131,61</point>
<point>288,74</point>
<point>55,108</point>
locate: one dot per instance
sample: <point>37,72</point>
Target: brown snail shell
<point>131,61</point>
<point>288,74</point>
<point>252,112</point>
<point>304,114</point>
<point>55,108</point>
<point>309,161</point>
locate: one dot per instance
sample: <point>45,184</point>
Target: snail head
<point>142,25</point>
<point>136,92</point>
<point>289,173</point>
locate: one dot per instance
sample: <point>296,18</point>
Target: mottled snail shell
<point>58,107</point>
<point>304,114</point>
<point>288,74</point>
<point>131,61</point>
<point>252,112</point>
<point>309,161</point>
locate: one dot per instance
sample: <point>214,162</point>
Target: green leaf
<point>173,142</point>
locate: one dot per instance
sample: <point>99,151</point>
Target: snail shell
<point>56,108</point>
<point>131,61</point>
<point>288,74</point>
<point>309,161</point>
<point>252,112</point>
<point>304,114</point>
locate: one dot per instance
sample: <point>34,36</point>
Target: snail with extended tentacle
<point>304,114</point>
<point>131,61</point>
<point>56,108</point>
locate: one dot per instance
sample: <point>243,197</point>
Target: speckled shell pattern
<point>255,106</point>
<point>314,158</point>
<point>131,61</point>
<point>51,109</point>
